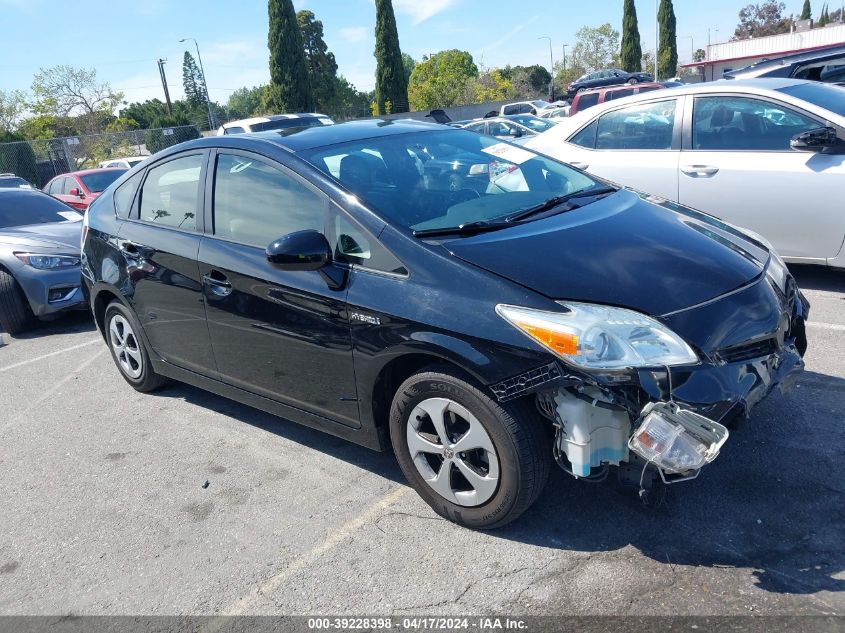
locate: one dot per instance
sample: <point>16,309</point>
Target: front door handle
<point>217,283</point>
<point>700,171</point>
<point>581,166</point>
<point>129,249</point>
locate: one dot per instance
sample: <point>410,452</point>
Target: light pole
<point>564,56</point>
<point>204,82</point>
<point>551,68</point>
<point>656,36</point>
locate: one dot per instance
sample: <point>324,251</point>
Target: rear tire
<point>15,314</point>
<point>493,462</point>
<point>128,350</point>
<point>632,81</point>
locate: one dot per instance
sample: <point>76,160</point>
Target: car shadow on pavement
<point>772,502</point>
<point>74,322</point>
<point>818,278</point>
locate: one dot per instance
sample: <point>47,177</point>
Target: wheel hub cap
<point>453,452</point>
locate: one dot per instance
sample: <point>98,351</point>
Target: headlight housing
<point>48,262</point>
<point>594,336</point>
<point>777,271</point>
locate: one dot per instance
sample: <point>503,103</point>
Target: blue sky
<point>123,40</point>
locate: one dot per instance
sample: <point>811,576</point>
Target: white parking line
<point>50,355</point>
<point>333,540</point>
<point>826,326</point>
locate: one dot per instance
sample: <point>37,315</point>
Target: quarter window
<point>741,123</point>
<point>638,127</point>
<point>255,203</point>
<point>124,195</point>
<point>588,100</point>
<point>170,193</point>
<point>355,245</point>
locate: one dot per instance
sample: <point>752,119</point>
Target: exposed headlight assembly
<point>48,262</point>
<point>600,337</point>
<point>777,271</point>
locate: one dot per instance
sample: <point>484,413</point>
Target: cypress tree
<point>391,85</point>
<point>290,86</point>
<point>806,11</point>
<point>667,62</point>
<point>632,53</point>
<point>192,81</point>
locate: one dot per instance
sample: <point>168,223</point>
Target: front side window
<point>67,185</point>
<point>442,179</point>
<point>124,196</point>
<point>170,194</point>
<point>255,203</point>
<point>638,127</point>
<point>740,123</point>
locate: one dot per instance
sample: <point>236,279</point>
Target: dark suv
<point>335,277</point>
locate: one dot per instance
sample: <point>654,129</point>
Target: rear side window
<point>587,100</point>
<point>124,196</point>
<point>255,203</point>
<point>638,127</point>
<point>170,193</point>
<point>618,94</point>
<point>235,129</point>
<point>587,136</point>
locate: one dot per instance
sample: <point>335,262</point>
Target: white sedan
<point>764,154</point>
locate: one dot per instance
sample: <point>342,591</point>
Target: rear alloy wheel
<point>474,461</point>
<point>632,81</point>
<point>128,351</point>
<point>15,314</point>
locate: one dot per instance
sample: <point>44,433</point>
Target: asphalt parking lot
<point>103,509</point>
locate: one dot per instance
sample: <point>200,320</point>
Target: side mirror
<point>302,250</point>
<point>76,192</point>
<point>515,132</point>
<point>817,140</point>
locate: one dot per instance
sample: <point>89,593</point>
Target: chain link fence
<point>39,161</point>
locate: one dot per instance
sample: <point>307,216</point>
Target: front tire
<point>128,350</point>
<point>15,314</point>
<point>476,462</point>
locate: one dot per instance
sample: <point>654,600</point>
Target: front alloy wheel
<point>475,461</point>
<point>453,452</point>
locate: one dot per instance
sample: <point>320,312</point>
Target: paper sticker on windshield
<point>509,152</point>
<point>70,216</point>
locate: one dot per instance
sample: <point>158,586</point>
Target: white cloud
<point>354,34</point>
<point>421,10</point>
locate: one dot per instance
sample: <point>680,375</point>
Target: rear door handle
<point>582,166</point>
<point>700,171</point>
<point>217,283</point>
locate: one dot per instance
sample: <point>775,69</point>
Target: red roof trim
<point>767,55</point>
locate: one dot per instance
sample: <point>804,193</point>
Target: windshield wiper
<point>551,203</point>
<point>470,228</point>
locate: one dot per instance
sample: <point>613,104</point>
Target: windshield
<point>99,180</point>
<point>443,179</point>
<point>24,209</point>
<point>823,95</point>
<point>535,123</point>
<point>15,182</point>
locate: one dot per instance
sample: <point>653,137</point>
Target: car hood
<point>59,236</point>
<point>627,250</point>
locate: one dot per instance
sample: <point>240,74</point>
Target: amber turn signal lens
<point>560,342</point>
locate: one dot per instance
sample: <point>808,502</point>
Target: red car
<point>81,188</point>
<point>588,98</point>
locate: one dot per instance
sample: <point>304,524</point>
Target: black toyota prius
<point>482,310</point>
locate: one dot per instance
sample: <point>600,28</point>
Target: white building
<point>741,53</point>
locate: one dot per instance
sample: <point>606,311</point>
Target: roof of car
<point>274,117</point>
<point>615,87</point>
<point>786,60</point>
<point>305,138</point>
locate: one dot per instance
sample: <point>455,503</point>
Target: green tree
<point>824,18</point>
<point>245,102</point>
<point>443,80</point>
<point>595,48</point>
<point>527,81</point>
<point>193,83</point>
<point>321,63</point>
<point>65,91</point>
<point>699,55</point>
<point>667,57</point>
<point>806,11</point>
<point>390,71</point>
<point>759,20</point>
<point>12,106</point>
<point>632,52</point>
<point>408,64</point>
<point>290,86</point>
<point>493,86</point>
